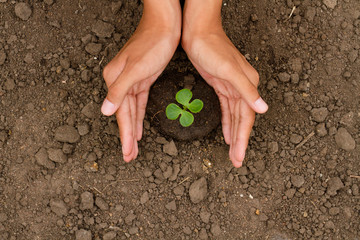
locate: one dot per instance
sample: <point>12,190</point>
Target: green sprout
<point>183,97</point>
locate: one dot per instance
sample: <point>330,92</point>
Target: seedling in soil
<point>183,97</point>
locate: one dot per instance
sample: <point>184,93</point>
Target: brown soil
<point>300,179</point>
<point>163,93</point>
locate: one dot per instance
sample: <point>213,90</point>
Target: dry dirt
<point>61,174</point>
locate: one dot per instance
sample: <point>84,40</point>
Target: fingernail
<point>108,108</point>
<point>261,105</point>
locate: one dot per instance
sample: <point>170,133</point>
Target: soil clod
<point>87,201</point>
<point>67,134</point>
<point>198,190</point>
<point>56,155</point>
<point>344,140</point>
<point>103,29</point>
<point>334,184</point>
<point>170,148</point>
<point>330,3</point>
<point>42,159</point>
<point>58,207</point>
<point>83,234</point>
<point>23,11</point>
<point>297,180</point>
<point>319,114</point>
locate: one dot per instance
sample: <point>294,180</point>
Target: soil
<point>61,174</point>
<point>163,93</point>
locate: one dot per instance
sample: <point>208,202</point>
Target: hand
<point>136,67</point>
<point>224,68</point>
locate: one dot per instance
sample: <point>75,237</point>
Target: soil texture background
<point>61,172</point>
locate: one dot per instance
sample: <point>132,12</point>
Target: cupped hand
<point>235,82</point>
<point>134,69</point>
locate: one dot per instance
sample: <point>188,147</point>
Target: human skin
<point>138,64</point>
<point>224,68</point>
<point>136,67</point>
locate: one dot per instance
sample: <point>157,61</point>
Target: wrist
<point>202,15</point>
<point>162,15</point>
<point>200,18</point>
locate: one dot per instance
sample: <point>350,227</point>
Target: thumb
<point>250,94</point>
<point>116,94</point>
<point>260,106</point>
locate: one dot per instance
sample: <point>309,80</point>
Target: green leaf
<point>186,118</point>
<point>173,111</point>
<point>196,106</point>
<point>184,96</point>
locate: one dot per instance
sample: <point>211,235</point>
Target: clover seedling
<point>183,97</point>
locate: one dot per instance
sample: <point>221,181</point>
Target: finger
<point>133,104</point>
<point>113,69</point>
<point>117,92</point>
<point>134,152</point>
<point>249,71</point>
<point>243,133</point>
<point>123,116</point>
<point>141,102</point>
<point>235,111</point>
<point>243,85</point>
<point>224,104</point>
<point>225,118</point>
<point>111,73</point>
<point>249,92</point>
<point>233,126</point>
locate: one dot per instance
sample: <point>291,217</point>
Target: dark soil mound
<point>163,93</point>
